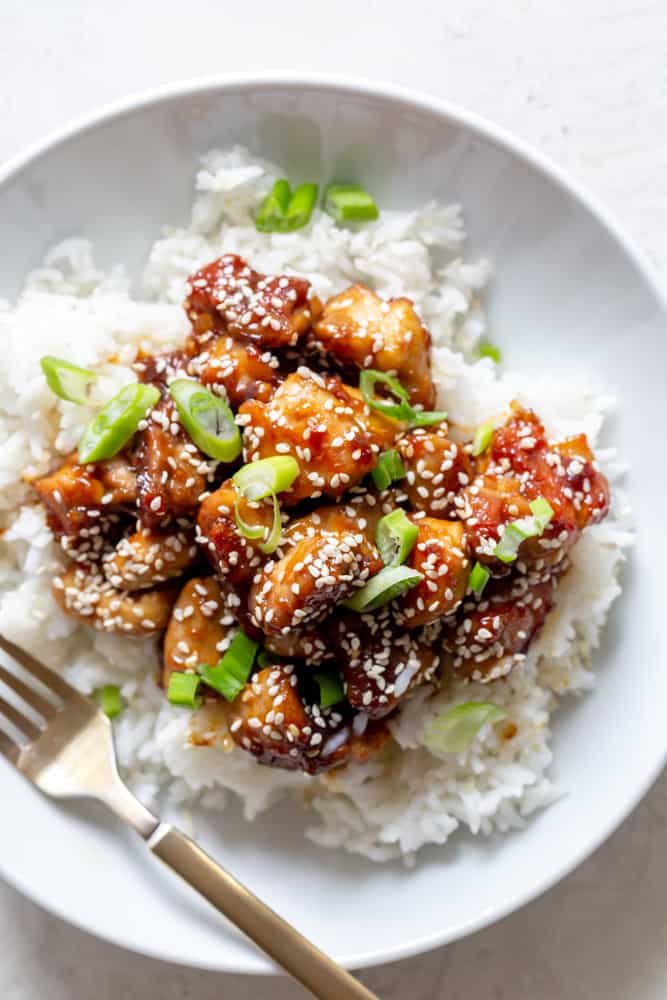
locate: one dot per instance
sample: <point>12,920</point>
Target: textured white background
<point>584,80</point>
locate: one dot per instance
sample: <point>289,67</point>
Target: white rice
<point>72,309</point>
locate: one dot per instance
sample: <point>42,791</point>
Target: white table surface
<point>584,80</point>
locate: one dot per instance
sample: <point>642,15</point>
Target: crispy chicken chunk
<point>325,425</point>
<point>236,370</point>
<point>171,471</point>
<point>199,628</point>
<point>440,556</point>
<point>436,470</point>
<point>270,720</point>
<point>359,328</point>
<point>325,558</point>
<point>310,643</point>
<point>119,479</point>
<point>520,466</point>
<point>227,295</point>
<point>84,593</point>
<point>146,558</point>
<point>380,663</point>
<point>76,496</point>
<point>233,556</point>
<point>491,636</point>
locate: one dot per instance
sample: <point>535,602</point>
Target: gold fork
<point>70,754</point>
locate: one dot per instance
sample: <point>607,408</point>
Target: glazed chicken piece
<point>325,425</point>
<point>229,296</point>
<point>171,471</point>
<point>146,558</point>
<point>380,663</point>
<point>436,470</point>
<point>84,593</point>
<point>491,636</point>
<point>199,628</point>
<point>235,370</point>
<point>310,643</point>
<point>439,554</point>
<point>359,328</point>
<point>119,479</point>
<point>270,720</point>
<point>77,496</point>
<point>520,466</point>
<point>325,557</point>
<point>234,557</point>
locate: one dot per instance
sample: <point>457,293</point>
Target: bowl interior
<point>567,294</point>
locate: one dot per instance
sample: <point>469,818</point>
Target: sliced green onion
<point>301,207</point>
<point>542,511</point>
<point>231,674</point>
<point>478,579</point>
<point>425,418</point>
<point>251,531</point>
<point>488,350</point>
<point>284,211</point>
<point>453,730</point>
<point>400,410</point>
<point>274,207</point>
<point>514,534</point>
<point>331,689</point>
<point>183,688</point>
<point>482,438</point>
<point>349,203</point>
<point>207,419</point>
<point>388,470</point>
<point>395,537</point>
<point>518,531</point>
<point>266,659</point>
<point>109,700</point>
<point>271,538</point>
<point>390,582</point>
<point>66,380</point>
<point>116,422</point>
<point>257,480</point>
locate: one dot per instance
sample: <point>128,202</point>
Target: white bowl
<point>569,292</point>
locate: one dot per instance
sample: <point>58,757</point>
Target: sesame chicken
<point>235,370</point>
<point>172,472</point>
<point>436,470</point>
<point>229,296</point>
<point>322,423</point>
<point>439,554</point>
<point>199,628</point>
<point>271,721</point>
<point>146,558</point>
<point>75,497</point>
<point>359,328</point>
<point>234,557</point>
<point>84,593</point>
<point>309,643</point>
<point>520,466</point>
<point>380,662</point>
<point>135,528</point>
<point>491,636</point>
<point>325,557</point>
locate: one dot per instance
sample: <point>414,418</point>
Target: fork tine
<point>48,677</point>
<point>8,748</point>
<point>45,708</point>
<point>19,720</point>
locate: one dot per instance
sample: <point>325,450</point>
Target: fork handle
<point>306,963</point>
